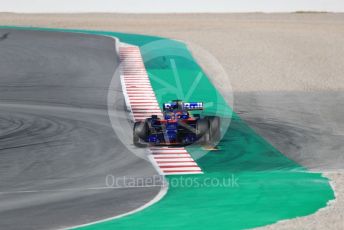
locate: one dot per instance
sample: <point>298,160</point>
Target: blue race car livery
<point>177,126</point>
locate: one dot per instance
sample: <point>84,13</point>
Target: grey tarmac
<point>57,144</point>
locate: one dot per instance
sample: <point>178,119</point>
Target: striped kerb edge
<point>141,101</point>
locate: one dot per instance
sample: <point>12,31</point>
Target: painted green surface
<point>261,186</point>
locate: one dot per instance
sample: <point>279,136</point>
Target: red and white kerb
<point>140,99</point>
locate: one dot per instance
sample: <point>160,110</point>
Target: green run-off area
<point>246,183</point>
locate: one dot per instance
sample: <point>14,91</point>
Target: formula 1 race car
<point>178,126</point>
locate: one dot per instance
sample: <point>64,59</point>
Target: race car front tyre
<point>214,129</point>
<point>136,139</point>
<point>202,131</point>
<point>140,131</point>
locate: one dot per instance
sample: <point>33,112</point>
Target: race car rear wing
<point>193,105</point>
<point>184,106</point>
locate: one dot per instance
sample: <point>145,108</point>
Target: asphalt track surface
<point>56,141</point>
<point>308,127</point>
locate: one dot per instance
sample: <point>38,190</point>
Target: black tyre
<point>214,129</point>
<point>140,131</point>
<point>136,140</point>
<point>202,131</point>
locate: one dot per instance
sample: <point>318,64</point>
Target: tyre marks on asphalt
<point>141,101</point>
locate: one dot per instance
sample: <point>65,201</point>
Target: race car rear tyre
<point>214,129</point>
